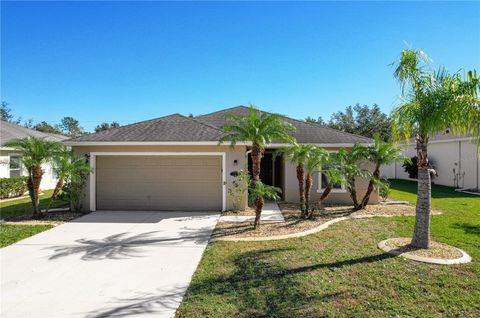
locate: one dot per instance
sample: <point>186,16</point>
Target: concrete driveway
<point>105,264</point>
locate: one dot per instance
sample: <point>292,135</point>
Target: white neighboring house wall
<point>456,161</point>
<point>49,179</point>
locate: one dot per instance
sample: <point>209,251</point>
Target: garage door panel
<point>159,183</point>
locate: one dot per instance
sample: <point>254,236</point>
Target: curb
<point>431,260</point>
<point>314,230</point>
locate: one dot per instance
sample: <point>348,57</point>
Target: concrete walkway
<point>105,264</point>
<point>270,213</point>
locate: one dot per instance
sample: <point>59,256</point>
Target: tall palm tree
<point>67,167</point>
<point>432,101</point>
<point>317,157</point>
<point>35,152</point>
<point>259,128</point>
<point>298,154</point>
<point>379,153</point>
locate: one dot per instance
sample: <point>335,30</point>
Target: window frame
<point>321,188</point>
<point>10,169</point>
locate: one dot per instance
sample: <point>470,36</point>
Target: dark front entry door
<point>270,169</point>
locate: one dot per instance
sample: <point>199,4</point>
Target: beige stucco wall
<point>460,155</point>
<point>343,197</point>
<point>231,154</point>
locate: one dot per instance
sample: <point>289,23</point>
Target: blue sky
<point>129,61</point>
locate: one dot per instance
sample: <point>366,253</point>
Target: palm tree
<point>35,152</point>
<point>333,173</point>
<point>348,165</point>
<point>379,153</point>
<point>259,128</point>
<point>258,192</point>
<point>432,101</point>
<point>298,154</point>
<point>317,157</point>
<point>67,167</point>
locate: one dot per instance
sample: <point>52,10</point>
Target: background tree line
<point>68,125</point>
<point>361,120</point>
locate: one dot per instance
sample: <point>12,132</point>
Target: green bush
<point>12,187</point>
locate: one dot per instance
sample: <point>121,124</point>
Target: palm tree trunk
<point>258,211</point>
<point>421,233</point>
<point>34,187</point>
<point>353,194</point>
<point>366,197</point>
<point>256,160</point>
<point>326,192</point>
<point>55,193</point>
<point>308,188</point>
<point>301,189</point>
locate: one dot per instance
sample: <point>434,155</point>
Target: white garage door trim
<point>93,162</point>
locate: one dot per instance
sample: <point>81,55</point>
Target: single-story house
<point>454,157</point>
<point>175,163</point>
<point>10,160</point>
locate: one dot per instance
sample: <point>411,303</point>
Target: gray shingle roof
<point>305,132</point>
<point>174,127</point>
<point>207,127</point>
<point>10,131</point>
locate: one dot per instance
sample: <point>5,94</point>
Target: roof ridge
<point>222,110</point>
<point>121,127</point>
<point>202,123</point>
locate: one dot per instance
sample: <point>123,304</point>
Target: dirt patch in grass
<point>437,250</point>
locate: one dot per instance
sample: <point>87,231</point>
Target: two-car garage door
<point>159,183</point>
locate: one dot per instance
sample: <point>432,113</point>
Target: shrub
<point>12,187</point>
<point>384,189</point>
<point>239,188</point>
<point>410,167</point>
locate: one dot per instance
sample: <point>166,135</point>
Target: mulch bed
<point>294,224</point>
<point>249,211</point>
<point>437,250</point>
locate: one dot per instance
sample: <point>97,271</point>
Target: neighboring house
<point>10,160</point>
<point>175,163</point>
<point>455,159</point>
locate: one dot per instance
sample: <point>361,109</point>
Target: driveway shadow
<point>121,245</point>
<point>141,304</point>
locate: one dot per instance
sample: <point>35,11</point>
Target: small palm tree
<point>35,152</point>
<point>379,153</point>
<point>67,167</point>
<point>258,193</point>
<point>260,129</point>
<point>298,154</point>
<point>432,101</point>
<point>348,165</point>
<point>317,157</point>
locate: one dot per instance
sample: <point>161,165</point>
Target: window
<point>15,166</point>
<point>323,181</point>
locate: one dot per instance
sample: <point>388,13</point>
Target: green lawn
<point>340,272</point>
<point>24,206</point>
<point>10,234</point>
